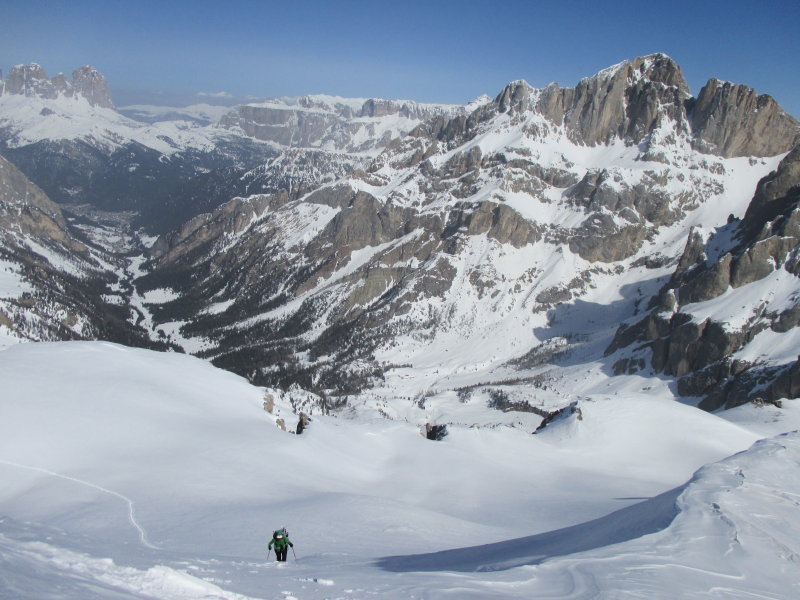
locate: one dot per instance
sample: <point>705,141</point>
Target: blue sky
<point>434,51</point>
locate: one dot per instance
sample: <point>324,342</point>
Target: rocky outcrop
<point>773,194</point>
<point>733,120</point>
<point>31,80</point>
<point>435,432</point>
<point>570,412</point>
<point>89,83</point>
<point>25,210</point>
<point>700,353</point>
<point>497,221</point>
<point>600,238</point>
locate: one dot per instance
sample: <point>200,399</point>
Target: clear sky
<point>433,51</point>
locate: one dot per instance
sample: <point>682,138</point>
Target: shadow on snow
<point>623,525</point>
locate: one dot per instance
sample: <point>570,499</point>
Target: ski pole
<point>268,551</point>
<point>293,552</point>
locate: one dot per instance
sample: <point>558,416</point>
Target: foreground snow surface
<point>133,474</point>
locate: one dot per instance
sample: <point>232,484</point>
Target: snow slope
<point>132,474</point>
<point>31,119</point>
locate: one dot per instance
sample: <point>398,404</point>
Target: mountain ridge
<point>478,229</point>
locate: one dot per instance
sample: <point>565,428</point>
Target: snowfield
<point>131,474</point>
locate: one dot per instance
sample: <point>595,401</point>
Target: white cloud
<point>215,94</point>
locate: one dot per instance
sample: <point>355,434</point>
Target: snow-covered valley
<point>134,474</point>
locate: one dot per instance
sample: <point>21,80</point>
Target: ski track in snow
<point>131,511</point>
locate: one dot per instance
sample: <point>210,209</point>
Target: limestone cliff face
<point>733,120</point>
<point>320,122</point>
<point>89,83</point>
<point>31,80</point>
<point>626,101</point>
<point>631,100</point>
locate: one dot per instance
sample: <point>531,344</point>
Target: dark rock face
<point>772,196</point>
<point>732,120</point>
<point>60,305</point>
<point>435,432</point>
<point>573,409</point>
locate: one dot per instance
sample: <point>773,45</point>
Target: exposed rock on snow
<point>703,349</point>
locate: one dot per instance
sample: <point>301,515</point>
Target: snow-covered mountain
<point>133,474</point>
<point>532,281</point>
<point>487,257</point>
<point>167,164</point>
<point>80,150</point>
<point>492,253</point>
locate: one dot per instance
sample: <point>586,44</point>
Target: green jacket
<point>280,540</point>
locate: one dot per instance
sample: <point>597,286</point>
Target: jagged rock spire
<point>31,80</point>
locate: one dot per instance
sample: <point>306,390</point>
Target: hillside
<point>421,262</point>
<point>491,256</point>
<point>158,476</point>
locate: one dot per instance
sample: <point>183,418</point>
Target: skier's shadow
<point>626,524</point>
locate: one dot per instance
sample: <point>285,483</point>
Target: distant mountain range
<point>398,258</point>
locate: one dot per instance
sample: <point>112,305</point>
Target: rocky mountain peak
<point>89,83</point>
<point>28,80</point>
<point>515,97</point>
<point>661,68</point>
<point>626,101</point>
<point>32,81</point>
<point>731,119</point>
